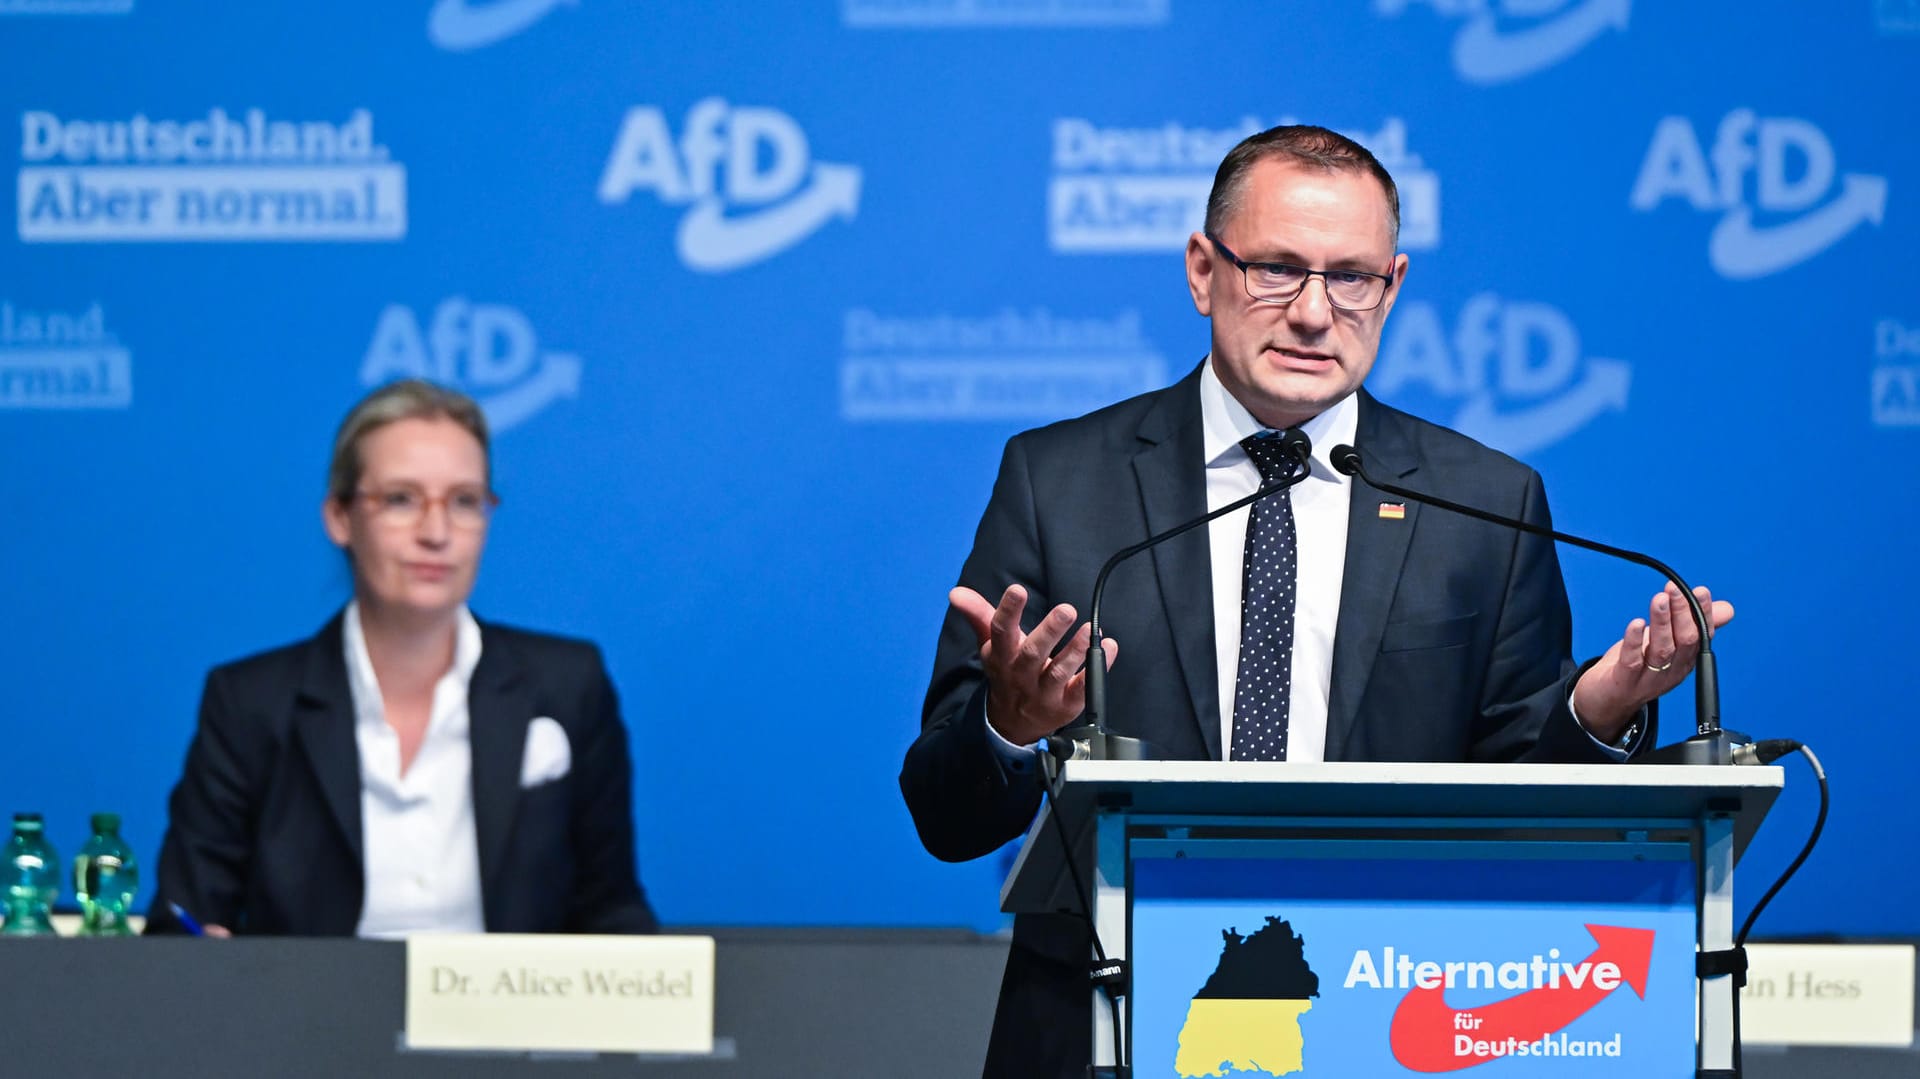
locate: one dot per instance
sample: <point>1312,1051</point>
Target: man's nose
<point>1311,310</point>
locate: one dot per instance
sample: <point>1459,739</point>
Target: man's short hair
<point>1302,144</point>
<point>407,399</point>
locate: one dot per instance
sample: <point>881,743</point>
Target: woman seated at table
<point>409,768</point>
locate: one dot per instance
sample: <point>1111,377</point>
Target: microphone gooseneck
<point>1710,744</point>
<point>1090,736</point>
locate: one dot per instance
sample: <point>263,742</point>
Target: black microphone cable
<point>1109,976</point>
<point>1766,752</point>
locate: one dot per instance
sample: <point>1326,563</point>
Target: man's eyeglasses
<point>1278,282</point>
<point>403,505</point>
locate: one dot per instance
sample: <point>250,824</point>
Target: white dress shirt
<point>422,856</point>
<point>1320,507</point>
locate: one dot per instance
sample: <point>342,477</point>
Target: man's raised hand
<point>1035,684</point>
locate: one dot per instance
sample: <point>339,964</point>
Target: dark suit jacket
<point>1453,642</point>
<point>264,834</point>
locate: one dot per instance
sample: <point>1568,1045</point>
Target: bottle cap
<point>22,818</point>
<point>106,822</point>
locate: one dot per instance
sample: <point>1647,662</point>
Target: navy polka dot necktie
<point>1271,564</point>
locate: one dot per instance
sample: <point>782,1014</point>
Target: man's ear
<point>1200,273</point>
<point>1399,278</point>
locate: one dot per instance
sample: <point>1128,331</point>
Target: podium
<point>1403,919</point>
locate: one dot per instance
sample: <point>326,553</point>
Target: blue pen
<point>186,920</point>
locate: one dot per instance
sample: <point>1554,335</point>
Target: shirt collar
<point>365,687</point>
<point>1225,422</point>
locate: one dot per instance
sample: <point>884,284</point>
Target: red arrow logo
<point>1424,1027</point>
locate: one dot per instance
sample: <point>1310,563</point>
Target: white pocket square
<point>548,755</point>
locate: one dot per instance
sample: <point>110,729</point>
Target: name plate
<point>510,991</point>
<point>1828,994</point>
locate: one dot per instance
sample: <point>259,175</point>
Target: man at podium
<point>1322,624</point>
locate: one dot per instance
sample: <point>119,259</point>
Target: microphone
<point>1089,738</point>
<point>1710,744</point>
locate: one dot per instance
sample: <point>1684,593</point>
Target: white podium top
<point>1518,795</point>
<point>1422,790</point>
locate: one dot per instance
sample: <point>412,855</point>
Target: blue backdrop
<point>755,292</point>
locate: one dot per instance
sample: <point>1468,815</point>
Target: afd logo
<point>752,160</point>
<point>1793,167</point>
<point>488,350</point>
<point>462,25</point>
<point>1513,368</point>
<point>1504,40</point>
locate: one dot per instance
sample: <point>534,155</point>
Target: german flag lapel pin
<point>1393,511</point>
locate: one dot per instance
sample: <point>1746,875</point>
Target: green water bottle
<point>31,877</point>
<point>104,880</point>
